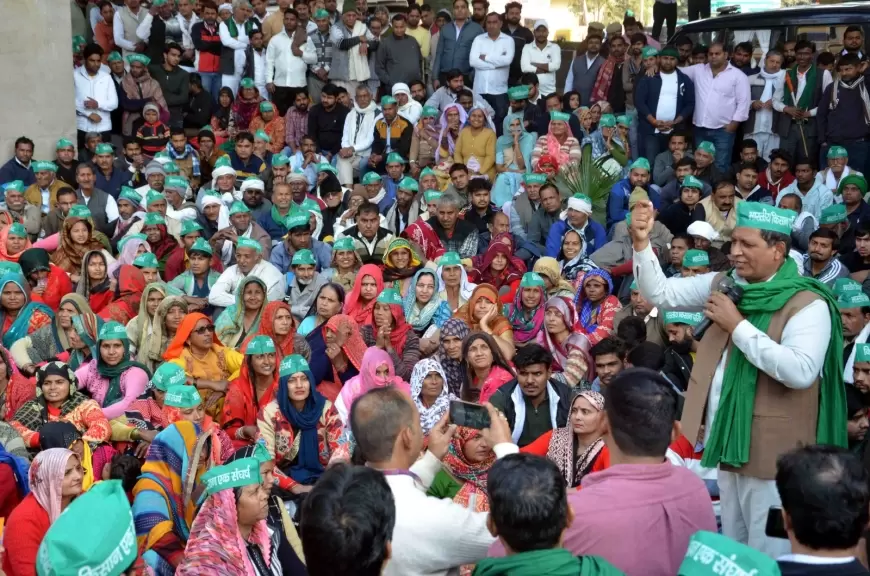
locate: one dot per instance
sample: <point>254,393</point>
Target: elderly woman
<point>18,317</point>
<point>572,363</point>
<point>243,317</point>
<point>58,400</point>
<point>526,313</point>
<point>425,310</point>
<point>606,141</point>
<point>401,261</point>
<point>390,332</point>
<point>13,242</point>
<point>554,283</point>
<point>327,303</point>
<point>299,411</point>
<point>251,391</point>
<point>513,157</point>
<point>376,371</point>
<point>361,300</point>
<point>476,146</point>
<point>453,118</point>
<point>430,392</point>
<point>77,238</point>
<point>484,313</point>
<point>596,305</point>
<point>47,342</point>
<point>424,141</point>
<point>453,284</point>
<point>167,320</point>
<point>558,143</point>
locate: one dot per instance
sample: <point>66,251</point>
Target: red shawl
<point>267,328</point>
<point>354,348</point>
<point>58,286</point>
<point>165,246</point>
<point>131,284</point>
<point>399,332</point>
<point>483,273</point>
<point>241,405</point>
<point>425,237</point>
<point>362,313</point>
<point>605,78</point>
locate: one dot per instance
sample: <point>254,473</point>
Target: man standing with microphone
<point>768,374</point>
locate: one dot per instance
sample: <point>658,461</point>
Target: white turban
<point>223,214</point>
<point>225,6</point>
<point>401,88</point>
<point>702,229</point>
<point>580,205</point>
<point>222,171</point>
<point>253,183</point>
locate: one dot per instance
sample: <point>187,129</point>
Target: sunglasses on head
<point>204,329</point>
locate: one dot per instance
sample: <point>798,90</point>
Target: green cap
<point>682,317</point>
<point>429,112</point>
<point>189,227</point>
<point>633,285</point>
<point>764,217</point>
<point>114,56</point>
<point>245,242</point>
<point>853,300</point>
<point>201,245</point>
<point>693,258</point>
<point>223,162</point>
<point>862,352</point>
<point>640,164</point>
<point>518,93</point>
<point>260,345</point>
<point>79,211</point>
<point>235,474</point>
<point>65,142</point>
<point>266,106</point>
<point>408,183</point>
<point>126,239</point>
<point>171,168</point>
<point>344,244</point>
<point>280,160</point>
<point>388,101</point>
<point>183,396</point>
<point>390,296</point>
<point>162,155</point>
<point>648,52</point>
<point>833,214</point>
<point>261,135</point>
<point>113,331</point>
<point>94,535</point>
<point>298,220</point>
<point>321,14</point>
<point>246,83</point>
<point>707,146</point>
<point>623,120</point>
<point>854,180</point>
<point>238,207</point>
<point>691,182</point>
<point>534,178</point>
<point>104,148</point>
<point>607,121</point>
<point>146,260</point>
<point>153,196</point>
<point>16,185</point>
<point>130,196</point>
<point>427,171</point>
<point>710,554</point>
<point>432,196</point>
<point>140,58</point>
<point>154,219</point>
<point>531,280</point>
<point>327,167</point>
<point>45,166</point>
<point>17,229</point>
<point>292,364</point>
<point>303,258</point>
<point>78,41</point>
<point>556,116</point>
<point>9,267</point>
<point>176,183</point>
<point>450,259</point>
<point>371,178</point>
<point>395,158</point>
<point>845,286</point>
<point>837,152</point>
<point>168,375</point>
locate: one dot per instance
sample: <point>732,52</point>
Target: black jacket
<point>677,217</point>
<point>853,568</point>
<point>327,127</point>
<point>678,368</point>
<point>502,399</point>
<point>199,109</point>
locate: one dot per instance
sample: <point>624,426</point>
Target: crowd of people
<point>236,312</point>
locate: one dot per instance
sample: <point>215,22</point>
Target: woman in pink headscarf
<point>377,371</point>
<point>558,143</point>
<point>452,120</point>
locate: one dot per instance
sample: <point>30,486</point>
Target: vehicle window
<point>828,38</point>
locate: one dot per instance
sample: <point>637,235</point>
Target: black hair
<point>676,134</point>
<point>803,44</point>
<point>24,140</point>
<point>330,90</point>
<point>800,203</point>
<point>685,237</point>
<point>529,79</point>
<point>685,161</point>
<point>496,14</point>
<point>528,503</point>
<point>367,208</point>
<point>463,1</point>
<point>748,143</point>
<point>646,355</point>
<point>830,235</point>
<point>415,81</point>
<point>303,90</point>
<point>532,354</point>
<point>853,28</point>
<point>465,92</point>
<point>774,238</point>
<point>177,131</point>
<point>747,166</point>
<point>744,47</point>
<point>683,41</point>
<point>641,407</point>
<point>91,49</point>
<point>862,230</point>
<point>638,37</point>
<point>247,136</point>
<point>452,74</point>
<point>478,184</point>
<point>425,8</point>
<point>549,186</point>
<point>195,78</point>
<point>124,467</point>
<point>780,154</point>
<point>848,59</point>
<point>553,95</point>
<point>511,5</point>
<point>699,49</point>
<point>825,58</point>
<point>632,331</point>
<point>612,39</point>
<point>103,3</point>
<point>457,166</point>
<point>172,46</point>
<point>465,391</point>
<point>413,7</point>
<point>342,90</point>
<point>205,134</point>
<point>609,345</point>
<point>291,11</point>
<point>63,191</point>
<point>825,492</point>
<point>399,17</point>
<point>347,521</point>
<point>802,159</point>
<point>376,419</point>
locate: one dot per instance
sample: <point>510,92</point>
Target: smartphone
<point>775,527</point>
<point>469,415</point>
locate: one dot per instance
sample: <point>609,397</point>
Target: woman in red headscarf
<point>361,300</point>
<point>253,389</point>
<point>278,324</point>
<point>344,349</point>
<point>162,243</point>
<point>131,284</point>
<point>390,332</point>
<point>498,266</point>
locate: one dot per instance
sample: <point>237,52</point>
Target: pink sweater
<point>133,383</point>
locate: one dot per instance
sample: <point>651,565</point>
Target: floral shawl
<point>562,353</point>
<point>473,475</point>
<point>596,321</point>
<point>446,141</point>
<point>70,255</point>
<point>561,450</point>
<point>354,347</point>
<point>424,236</point>
<point>430,416</point>
<point>454,369</point>
<point>526,327</point>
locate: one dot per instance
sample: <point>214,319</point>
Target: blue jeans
<point>722,140</point>
<point>211,83</point>
<point>653,144</point>
<point>859,153</point>
<point>500,104</point>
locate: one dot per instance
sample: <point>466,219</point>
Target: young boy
<point>153,134</point>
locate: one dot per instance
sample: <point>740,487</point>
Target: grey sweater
<point>398,60</point>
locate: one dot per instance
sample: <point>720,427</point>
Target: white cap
<point>702,229</point>
<point>542,22</point>
<point>401,88</point>
<point>222,171</point>
<point>225,6</point>
<point>580,205</point>
<point>253,183</point>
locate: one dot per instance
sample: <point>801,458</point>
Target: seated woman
<point>346,263</point>
<point>327,303</point>
<point>222,124</point>
<point>449,354</point>
<point>389,332</point>
<point>208,364</point>
<point>230,534</point>
<point>15,388</point>
<point>572,258</point>
<point>246,105</point>
<point>453,118</point>
<point>499,267</point>
<point>596,305</point>
<point>51,340</point>
<point>167,319</point>
<point>183,403</point>
<point>94,282</point>
<point>142,325</point>
<point>430,393</point>
<point>554,284</point>
<point>13,242</point>
<point>14,467</point>
<point>165,497</point>
<point>487,369</point>
<point>162,243</point>
<point>475,146</point>
<point>558,143</point>
<point>18,317</point>
<point>526,313</point>
<point>679,216</point>
<point>243,317</point>
<point>377,371</point>
<point>65,435</point>
<point>112,379</point>
<point>279,325</point>
<point>361,300</point>
<point>462,477</point>
<point>252,390</point>
<point>577,449</point>
<point>77,238</point>
<point>129,248</point>
<point>483,314</point>
<point>401,261</point>
<point>126,306</point>
<point>572,363</point>
<point>83,339</point>
<point>513,158</point>
<point>424,140</point>
<point>48,283</point>
<point>299,410</point>
<point>425,310</point>
<point>59,400</point>
<point>55,481</point>
<point>453,284</point>
<point>606,143</point>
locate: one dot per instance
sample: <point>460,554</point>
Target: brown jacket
<point>34,196</point>
<point>782,418</point>
<point>655,327</point>
<point>273,24</point>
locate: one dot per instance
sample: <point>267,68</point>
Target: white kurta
<point>796,362</point>
<point>223,293</point>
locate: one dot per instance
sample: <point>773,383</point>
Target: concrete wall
<point>37,98</point>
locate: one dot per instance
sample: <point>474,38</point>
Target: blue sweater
<point>111,185</point>
<point>594,237</point>
<point>12,170</point>
<point>276,230</point>
<point>646,100</point>
<point>617,204</point>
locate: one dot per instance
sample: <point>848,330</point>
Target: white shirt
<point>111,206</point>
<point>118,30</point>
<point>434,536</point>
<point>283,67</point>
<point>551,55</point>
<point>779,105</point>
<point>666,109</point>
<point>223,293</point>
<point>796,360</point>
<point>101,88</point>
<point>260,68</point>
<point>186,25</point>
<point>491,74</point>
<point>186,213</point>
<point>239,44</point>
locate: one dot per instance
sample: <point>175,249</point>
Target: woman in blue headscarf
<point>513,158</point>
<point>18,316</point>
<point>425,310</point>
<point>606,143</point>
<point>596,305</point>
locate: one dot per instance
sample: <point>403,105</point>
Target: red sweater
<point>9,496</point>
<point>24,532</point>
<point>784,182</point>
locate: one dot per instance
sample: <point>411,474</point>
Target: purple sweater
<point>133,383</point>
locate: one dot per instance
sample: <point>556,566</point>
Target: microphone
<point>734,293</point>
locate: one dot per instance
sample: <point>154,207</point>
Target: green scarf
<point>806,99</point>
<point>730,437</point>
<point>113,373</point>
<point>554,562</point>
<point>234,29</point>
<point>277,218</point>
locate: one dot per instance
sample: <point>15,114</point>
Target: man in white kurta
<point>796,361</point>
<point>223,293</point>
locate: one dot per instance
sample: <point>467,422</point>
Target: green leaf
<point>587,177</point>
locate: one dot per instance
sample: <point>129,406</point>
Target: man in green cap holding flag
<point>768,375</point>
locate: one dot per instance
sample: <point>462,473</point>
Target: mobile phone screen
<point>775,527</point>
<point>469,415</point>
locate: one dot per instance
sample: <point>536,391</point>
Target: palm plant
<point>590,178</point>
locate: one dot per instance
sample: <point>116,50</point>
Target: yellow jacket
<point>724,226</point>
<point>34,196</point>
